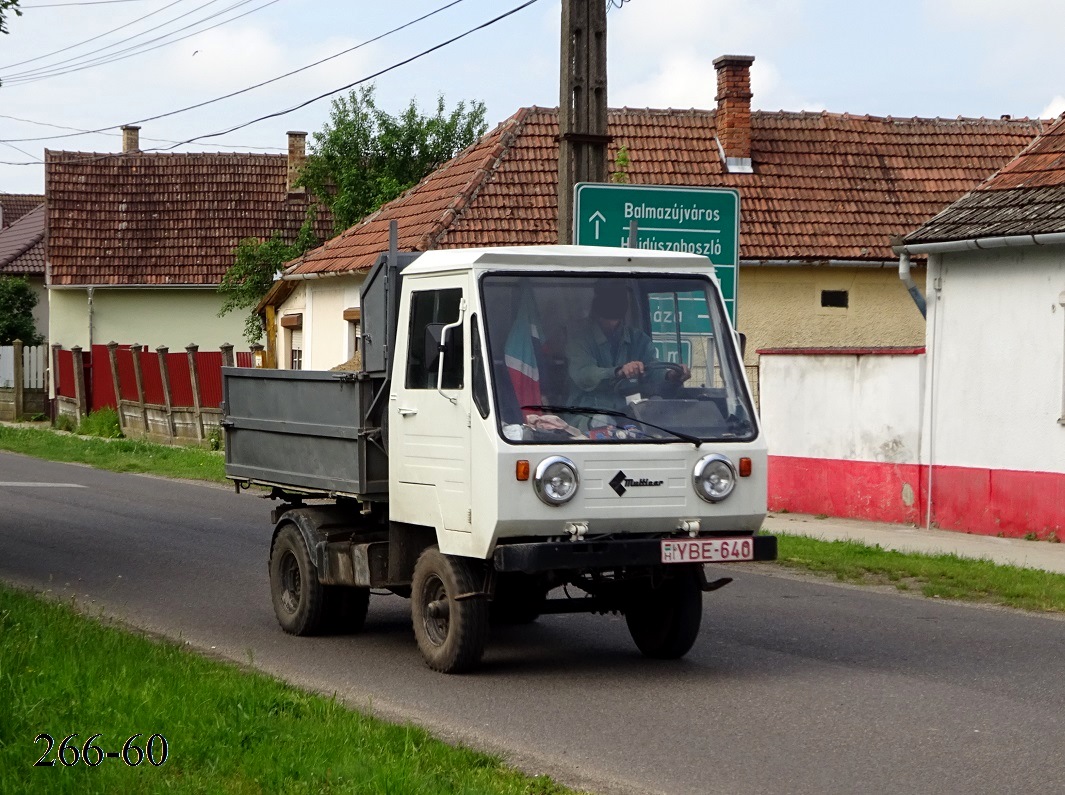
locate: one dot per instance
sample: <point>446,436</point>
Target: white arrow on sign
<point>597,217</point>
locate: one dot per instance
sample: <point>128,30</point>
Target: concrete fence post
<point>19,377</point>
<point>228,360</point>
<point>80,398</point>
<point>112,358</point>
<point>163,352</point>
<point>138,377</point>
<point>194,379</point>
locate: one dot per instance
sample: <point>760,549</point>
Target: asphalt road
<point>794,686</point>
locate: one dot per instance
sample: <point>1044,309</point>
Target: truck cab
<point>527,418</point>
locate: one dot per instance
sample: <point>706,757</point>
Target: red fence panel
<point>180,379</point>
<point>209,369</point>
<point>102,394</point>
<point>64,384</point>
<point>127,381</point>
<point>153,381</point>
<point>245,359</point>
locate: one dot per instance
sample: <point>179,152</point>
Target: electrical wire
<point>94,38</point>
<point>387,69</point>
<point>79,131</point>
<point>304,104</point>
<point>249,88</point>
<point>80,62</point>
<point>64,5</point>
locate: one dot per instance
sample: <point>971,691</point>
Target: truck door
<point>429,408</point>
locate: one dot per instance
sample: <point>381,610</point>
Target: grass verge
<point>942,576</point>
<point>118,455</point>
<point>227,730</point>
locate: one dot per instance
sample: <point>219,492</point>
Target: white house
<point>994,398</point>
<point>967,433</point>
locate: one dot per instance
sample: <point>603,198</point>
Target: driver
<point>603,349</point>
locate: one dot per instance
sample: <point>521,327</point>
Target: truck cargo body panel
<point>302,430</point>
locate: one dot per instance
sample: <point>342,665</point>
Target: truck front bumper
<point>555,555</point>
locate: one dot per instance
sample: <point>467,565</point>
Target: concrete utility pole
<point>582,138</point>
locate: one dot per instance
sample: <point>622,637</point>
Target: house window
<point>295,359</point>
<point>838,299</point>
<point>293,326</point>
<point>353,315</point>
<point>431,310</point>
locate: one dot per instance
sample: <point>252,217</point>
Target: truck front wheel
<point>449,612</point>
<point>664,619</point>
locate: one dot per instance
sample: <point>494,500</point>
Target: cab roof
<point>555,257</point>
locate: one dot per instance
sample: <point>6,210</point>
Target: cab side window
<point>431,311</point>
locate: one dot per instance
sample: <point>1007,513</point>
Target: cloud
<point>1054,109</point>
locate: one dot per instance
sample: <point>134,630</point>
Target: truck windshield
<point>610,358</point>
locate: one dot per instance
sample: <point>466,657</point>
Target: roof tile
<point>825,186</point>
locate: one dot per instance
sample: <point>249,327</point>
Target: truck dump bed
<point>301,430</point>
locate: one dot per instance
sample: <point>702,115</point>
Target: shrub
<point>103,423</point>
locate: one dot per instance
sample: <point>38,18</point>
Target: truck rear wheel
<point>303,605</point>
<point>449,613</point>
<point>664,620</point>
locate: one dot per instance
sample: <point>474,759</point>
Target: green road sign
<point>693,220</point>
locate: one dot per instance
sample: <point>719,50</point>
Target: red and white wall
<point>844,430</point>
<point>968,435</point>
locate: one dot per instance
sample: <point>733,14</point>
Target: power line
<point>276,114</point>
<point>90,3</point>
<point>253,87</point>
<point>80,131</point>
<point>423,53</point>
<point>94,38</point>
<point>52,70</point>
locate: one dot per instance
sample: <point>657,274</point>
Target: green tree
<point>7,7</point>
<point>365,156</point>
<point>257,263</point>
<point>17,301</point>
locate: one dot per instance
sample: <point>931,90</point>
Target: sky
<point>929,58</point>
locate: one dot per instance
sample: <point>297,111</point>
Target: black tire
<point>664,621</point>
<point>299,598</point>
<point>452,643</point>
<point>519,598</point>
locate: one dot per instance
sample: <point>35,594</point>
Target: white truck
<point>493,460</point>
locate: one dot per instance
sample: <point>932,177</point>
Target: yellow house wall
<point>151,317</point>
<point>780,307</point>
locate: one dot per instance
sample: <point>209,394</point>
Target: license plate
<point>707,550</point>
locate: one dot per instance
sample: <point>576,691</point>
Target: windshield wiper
<point>614,413</point>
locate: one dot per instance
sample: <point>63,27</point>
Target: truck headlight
<point>556,480</point>
<point>714,477</point>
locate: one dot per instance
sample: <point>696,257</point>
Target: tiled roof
<point>158,219</point>
<point>22,245</point>
<point>825,186</point>
<point>1026,197</point>
<point>16,205</point>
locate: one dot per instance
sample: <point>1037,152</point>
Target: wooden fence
<point>159,395</point>
<point>23,380</point>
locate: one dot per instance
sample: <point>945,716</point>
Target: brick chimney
<point>131,138</point>
<point>297,156</point>
<point>734,111</point>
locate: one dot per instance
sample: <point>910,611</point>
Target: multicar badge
<point>621,484</point>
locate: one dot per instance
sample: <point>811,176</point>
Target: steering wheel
<point>666,387</point>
